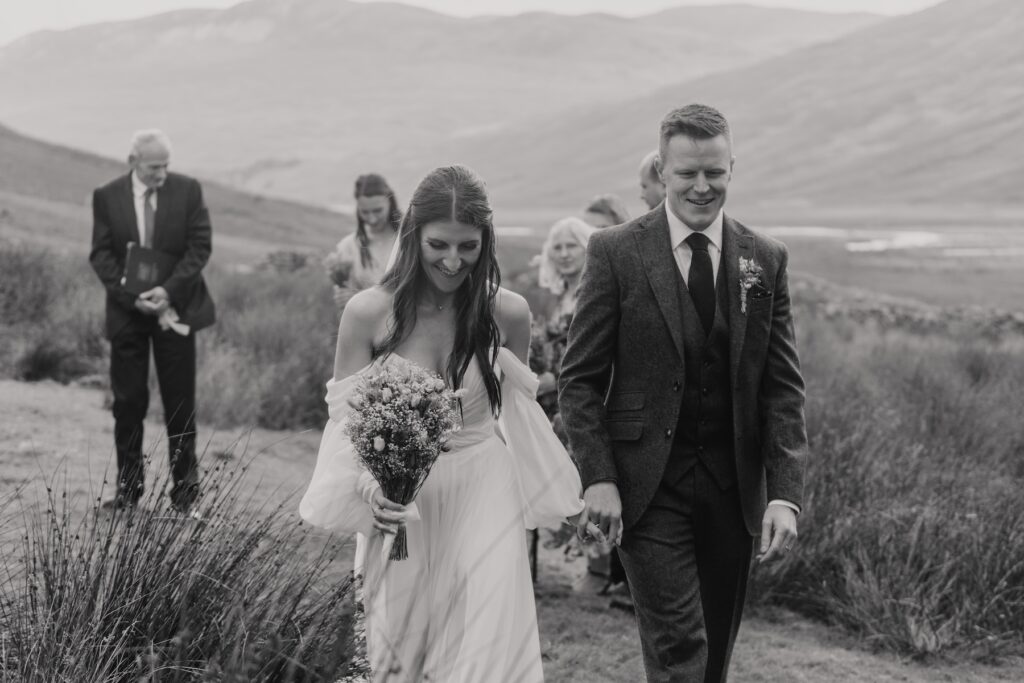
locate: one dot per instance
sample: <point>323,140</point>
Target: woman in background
<point>359,259</point>
<point>606,210</point>
<point>561,264</point>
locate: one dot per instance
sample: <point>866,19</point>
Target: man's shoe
<point>623,602</point>
<point>188,512</point>
<point>119,503</point>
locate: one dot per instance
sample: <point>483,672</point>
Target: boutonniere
<point>750,275</point>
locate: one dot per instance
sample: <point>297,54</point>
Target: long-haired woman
<point>461,607</point>
<point>359,259</point>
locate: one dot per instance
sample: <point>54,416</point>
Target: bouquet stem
<point>400,548</point>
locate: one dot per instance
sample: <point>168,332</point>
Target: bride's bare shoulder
<point>512,313</point>
<point>369,306</point>
<point>511,308</point>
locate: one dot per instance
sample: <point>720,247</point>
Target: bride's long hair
<point>450,193</point>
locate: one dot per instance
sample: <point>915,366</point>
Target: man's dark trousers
<point>175,358</point>
<point>693,530</point>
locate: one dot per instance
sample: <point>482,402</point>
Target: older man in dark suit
<point>683,401</point>
<point>164,211</point>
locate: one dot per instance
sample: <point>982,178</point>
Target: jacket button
<point>668,433</point>
<point>705,391</point>
<point>676,386</point>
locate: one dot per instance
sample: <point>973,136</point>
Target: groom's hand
<point>778,532</point>
<point>603,507</point>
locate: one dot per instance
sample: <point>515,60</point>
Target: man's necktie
<point>701,281</point>
<point>149,216</point>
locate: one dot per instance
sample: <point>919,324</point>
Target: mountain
<point>918,116</point>
<point>46,190</point>
<point>296,97</point>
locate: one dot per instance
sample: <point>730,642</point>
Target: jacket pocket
<point>760,303</point>
<point>622,430</point>
<point>625,401</point>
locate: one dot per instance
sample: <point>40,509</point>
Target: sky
<point>20,17</point>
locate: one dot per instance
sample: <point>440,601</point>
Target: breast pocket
<point>624,415</point>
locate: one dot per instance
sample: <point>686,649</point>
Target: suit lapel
<point>126,205</point>
<point>735,245</point>
<point>163,201</point>
<point>662,272</point>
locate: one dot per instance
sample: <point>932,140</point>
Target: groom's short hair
<point>697,121</point>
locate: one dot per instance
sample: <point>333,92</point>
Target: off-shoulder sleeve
<point>335,497</point>
<point>549,483</point>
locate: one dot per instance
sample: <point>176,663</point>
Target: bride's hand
<point>547,383</point>
<point>591,532</point>
<point>387,515</point>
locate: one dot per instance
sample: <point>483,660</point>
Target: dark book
<point>146,268</point>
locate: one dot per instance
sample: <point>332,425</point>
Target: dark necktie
<point>149,216</point>
<point>701,281</point>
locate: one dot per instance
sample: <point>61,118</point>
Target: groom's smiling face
<point>696,174</point>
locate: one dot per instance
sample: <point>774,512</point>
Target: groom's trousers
<point>688,559</point>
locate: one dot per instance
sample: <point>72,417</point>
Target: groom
<point>683,401</point>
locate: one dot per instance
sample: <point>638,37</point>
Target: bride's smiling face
<point>448,252</point>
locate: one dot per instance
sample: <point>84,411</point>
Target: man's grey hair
<point>141,138</point>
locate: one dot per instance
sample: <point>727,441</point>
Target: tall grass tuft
<point>267,360</point>
<point>148,594</point>
<point>913,532</point>
<point>52,325</point>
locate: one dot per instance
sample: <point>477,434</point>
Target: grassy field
<point>912,543</point>
<point>582,640</point>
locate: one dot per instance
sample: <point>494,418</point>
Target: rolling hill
<point>295,97</point>
<point>914,118</point>
<point>45,194</point>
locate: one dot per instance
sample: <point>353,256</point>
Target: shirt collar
<point>138,187</point>
<point>679,231</point>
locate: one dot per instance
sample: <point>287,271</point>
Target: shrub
<point>913,529</point>
<point>244,595</point>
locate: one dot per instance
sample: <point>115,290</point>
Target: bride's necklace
<point>433,305</point>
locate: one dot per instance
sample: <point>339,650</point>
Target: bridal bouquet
<point>402,418</point>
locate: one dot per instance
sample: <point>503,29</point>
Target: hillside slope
<point>45,195</point>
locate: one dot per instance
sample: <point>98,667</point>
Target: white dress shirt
<point>139,192</point>
<point>678,232</point>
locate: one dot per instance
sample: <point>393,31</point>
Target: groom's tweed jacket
<point>619,391</point>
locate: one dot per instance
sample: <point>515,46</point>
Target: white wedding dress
<point>460,609</point>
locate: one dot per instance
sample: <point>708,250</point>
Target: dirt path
<point>48,427</point>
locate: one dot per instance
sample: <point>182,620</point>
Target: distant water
<point>897,241</point>
<point>865,240</point>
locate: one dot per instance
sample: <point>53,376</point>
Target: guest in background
<point>652,190</point>
<point>359,259</point>
<point>606,210</point>
<point>163,211</point>
<point>561,264</point>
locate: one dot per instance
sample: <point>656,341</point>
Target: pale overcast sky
<point>19,17</point>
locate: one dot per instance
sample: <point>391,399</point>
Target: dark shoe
<point>183,495</point>
<point>119,503</point>
<point>623,602</point>
<point>187,512</point>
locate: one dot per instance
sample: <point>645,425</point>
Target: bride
<point>461,607</point>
